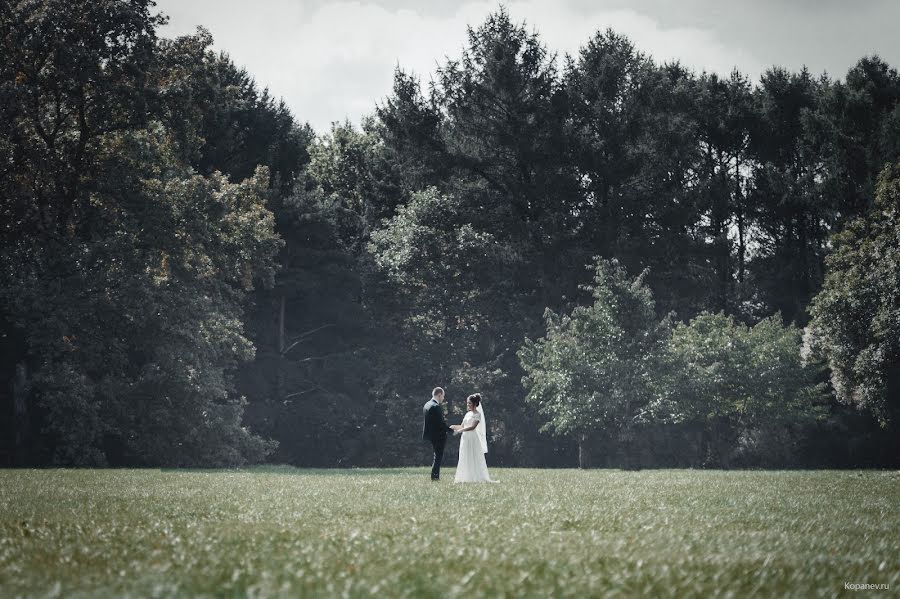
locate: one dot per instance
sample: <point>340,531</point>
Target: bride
<point>472,467</point>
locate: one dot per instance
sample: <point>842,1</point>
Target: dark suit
<point>435,430</point>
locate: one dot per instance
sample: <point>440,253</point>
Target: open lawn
<point>290,532</point>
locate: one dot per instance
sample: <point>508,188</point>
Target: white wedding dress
<point>472,467</point>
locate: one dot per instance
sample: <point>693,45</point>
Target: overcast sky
<point>332,60</point>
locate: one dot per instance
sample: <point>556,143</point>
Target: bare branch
<point>302,337</point>
<point>326,356</point>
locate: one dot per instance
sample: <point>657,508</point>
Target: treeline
<point>140,180</point>
<point>188,274</point>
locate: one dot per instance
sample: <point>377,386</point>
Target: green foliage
<point>138,335</point>
<point>860,129</point>
<point>68,77</point>
<point>539,533</point>
<point>725,191</point>
<point>787,201</point>
<point>325,373</point>
<point>438,260</point>
<point>636,148</point>
<point>355,178</point>
<point>218,118</point>
<point>482,245</point>
<point>423,247</point>
<point>126,271</point>
<point>746,386</point>
<point>856,316</point>
<point>593,371</point>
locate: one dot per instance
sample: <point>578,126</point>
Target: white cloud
<point>336,60</point>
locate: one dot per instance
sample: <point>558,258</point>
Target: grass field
<point>281,531</point>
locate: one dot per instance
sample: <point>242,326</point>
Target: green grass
<point>287,532</point>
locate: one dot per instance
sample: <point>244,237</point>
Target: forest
<point>637,265</point>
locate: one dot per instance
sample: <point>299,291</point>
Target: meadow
<point>391,532</point>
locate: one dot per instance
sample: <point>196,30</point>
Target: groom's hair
<point>437,391</point>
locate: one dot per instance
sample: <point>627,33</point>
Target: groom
<point>436,429</point>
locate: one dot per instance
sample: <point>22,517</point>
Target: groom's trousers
<point>438,446</point>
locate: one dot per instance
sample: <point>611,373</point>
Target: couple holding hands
<point>472,467</point>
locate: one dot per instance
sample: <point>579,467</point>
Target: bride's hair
<point>475,398</point>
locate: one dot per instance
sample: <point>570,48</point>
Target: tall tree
<point>724,117</point>
<point>219,118</point>
<point>746,387</point>
<point>858,127</point>
<point>70,74</point>
<point>490,140</point>
<point>592,373</point>
<point>124,271</point>
<point>791,214</point>
<point>856,316</point>
<point>316,375</point>
<point>639,136</point>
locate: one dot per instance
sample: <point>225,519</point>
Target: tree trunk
<point>20,388</point>
<point>584,452</point>
<point>279,378</point>
<point>281,324</point>
<point>742,245</point>
<point>739,204</point>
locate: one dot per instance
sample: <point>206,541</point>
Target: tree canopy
<point>190,275</point>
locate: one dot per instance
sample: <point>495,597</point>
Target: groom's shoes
<point>435,480</point>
